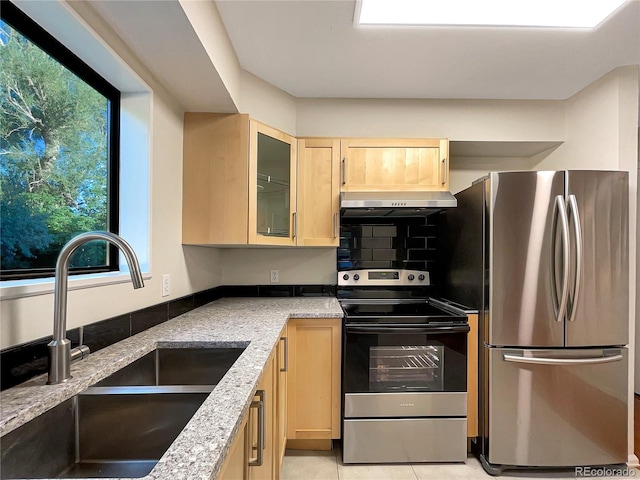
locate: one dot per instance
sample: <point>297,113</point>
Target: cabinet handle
<point>336,227</point>
<point>259,405</point>
<point>344,171</point>
<point>295,224</point>
<point>286,354</point>
<point>444,171</point>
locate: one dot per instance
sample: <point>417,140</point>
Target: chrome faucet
<point>60,352</point>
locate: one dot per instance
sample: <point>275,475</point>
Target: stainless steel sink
<point>176,366</point>
<point>121,426</point>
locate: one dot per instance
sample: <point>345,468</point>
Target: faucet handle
<point>79,352</point>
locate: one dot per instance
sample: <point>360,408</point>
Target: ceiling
<point>310,48</point>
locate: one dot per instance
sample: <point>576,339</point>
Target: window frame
<point>21,22</point>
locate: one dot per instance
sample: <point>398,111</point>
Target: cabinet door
<point>313,384</point>
<point>282,352</point>
<point>318,192</point>
<point>235,467</point>
<point>265,471</point>
<point>394,164</point>
<point>272,186</point>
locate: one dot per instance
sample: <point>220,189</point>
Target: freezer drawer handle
<point>561,361</point>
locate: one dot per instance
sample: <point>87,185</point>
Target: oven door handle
<point>439,330</point>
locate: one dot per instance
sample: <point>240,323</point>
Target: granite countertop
<point>201,448</point>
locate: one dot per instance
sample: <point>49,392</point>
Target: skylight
<point>507,13</point>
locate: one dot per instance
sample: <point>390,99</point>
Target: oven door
<point>392,371</point>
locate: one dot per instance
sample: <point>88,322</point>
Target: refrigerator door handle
<point>561,361</point>
<point>561,210</point>
<point>577,229</point>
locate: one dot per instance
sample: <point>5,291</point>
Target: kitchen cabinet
<point>313,382</point>
<point>261,428</point>
<point>258,449</point>
<point>239,182</point>
<point>235,466</point>
<point>272,186</point>
<point>282,354</point>
<point>299,395</point>
<point>394,164</point>
<point>318,192</point>
<point>215,195</point>
<point>472,376</point>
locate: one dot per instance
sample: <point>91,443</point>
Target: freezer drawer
<point>405,440</point>
<point>557,407</point>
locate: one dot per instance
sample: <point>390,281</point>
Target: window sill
<point>13,289</point>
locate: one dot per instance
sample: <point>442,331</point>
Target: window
<point>488,13</point>
<point>59,143</point>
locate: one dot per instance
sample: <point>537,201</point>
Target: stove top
<point>368,311</point>
<point>404,309</point>
<point>390,297</point>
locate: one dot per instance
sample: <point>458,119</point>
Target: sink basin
<point>121,426</point>
<point>176,366</point>
<point>102,432</point>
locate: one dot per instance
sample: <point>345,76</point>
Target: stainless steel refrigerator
<point>544,257</point>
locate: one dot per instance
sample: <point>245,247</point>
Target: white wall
<point>267,104</point>
<point>192,269</point>
<point>303,266</point>
<point>469,120</point>
<point>207,24</point>
<point>465,170</point>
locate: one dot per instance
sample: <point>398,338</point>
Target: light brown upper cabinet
<point>318,192</point>
<point>391,164</point>
<point>239,182</point>
<point>272,186</point>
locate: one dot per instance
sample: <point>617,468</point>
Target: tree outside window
<point>54,159</point>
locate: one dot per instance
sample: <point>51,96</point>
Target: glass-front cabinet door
<point>272,187</point>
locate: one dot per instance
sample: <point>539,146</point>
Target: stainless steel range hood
<point>394,204</point>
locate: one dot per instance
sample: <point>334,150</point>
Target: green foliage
<point>53,151</point>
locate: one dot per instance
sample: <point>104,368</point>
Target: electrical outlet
<point>166,285</point>
<point>275,276</point>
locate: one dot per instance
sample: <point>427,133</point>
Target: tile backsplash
<point>22,362</point>
<point>398,243</point>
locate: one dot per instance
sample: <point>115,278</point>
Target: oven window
<point>397,362</point>
<point>406,368</point>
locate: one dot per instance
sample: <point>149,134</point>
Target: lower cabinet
<point>297,402</point>
<point>313,382</point>
<point>235,466</point>
<point>281,374</point>
<point>252,455</point>
<point>261,427</point>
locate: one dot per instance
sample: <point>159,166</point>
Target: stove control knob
<point>356,277</point>
<point>411,277</point>
<point>421,277</point>
<point>345,277</point>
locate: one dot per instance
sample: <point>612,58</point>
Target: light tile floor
<point>318,465</point>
